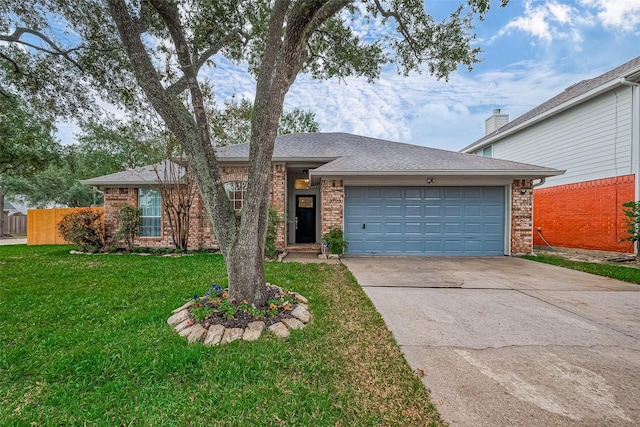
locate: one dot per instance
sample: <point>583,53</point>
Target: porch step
<point>305,247</point>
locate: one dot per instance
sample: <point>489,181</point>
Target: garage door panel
<point>413,228</point>
<point>425,220</point>
<point>413,211</point>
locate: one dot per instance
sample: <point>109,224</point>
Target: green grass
<point>628,274</point>
<point>84,341</point>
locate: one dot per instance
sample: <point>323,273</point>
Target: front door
<point>305,219</point>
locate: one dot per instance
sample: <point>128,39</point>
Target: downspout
<point>635,137</point>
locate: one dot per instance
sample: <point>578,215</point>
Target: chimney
<point>495,122</point>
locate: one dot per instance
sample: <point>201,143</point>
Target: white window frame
<point>150,205</point>
<point>236,192</point>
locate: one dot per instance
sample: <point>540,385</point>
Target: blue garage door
<point>425,220</point>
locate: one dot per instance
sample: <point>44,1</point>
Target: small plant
<point>632,220</point>
<point>128,217</point>
<point>335,241</point>
<point>154,251</point>
<point>272,232</point>
<point>200,312</point>
<point>84,228</point>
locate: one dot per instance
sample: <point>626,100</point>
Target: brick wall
<point>278,198</point>
<point>114,198</point>
<point>585,215</point>
<point>521,217</point>
<point>200,227</point>
<point>332,204</point>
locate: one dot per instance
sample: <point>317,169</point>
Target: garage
<point>425,220</point>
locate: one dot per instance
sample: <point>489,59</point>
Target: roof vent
<point>495,122</point>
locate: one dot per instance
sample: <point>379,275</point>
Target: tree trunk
<point>242,245</point>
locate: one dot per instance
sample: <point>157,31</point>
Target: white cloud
<point>622,14</point>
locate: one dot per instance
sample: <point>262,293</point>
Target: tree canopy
<point>164,53</point>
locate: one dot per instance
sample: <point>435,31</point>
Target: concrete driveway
<point>508,342</point>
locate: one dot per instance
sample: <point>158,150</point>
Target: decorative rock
<point>186,331</point>
<point>300,298</point>
<point>322,256</point>
<point>231,334</point>
<point>179,317</point>
<point>183,307</point>
<point>293,323</point>
<point>333,256</point>
<point>253,331</point>
<point>279,330</point>
<point>214,335</point>
<point>185,324</point>
<point>197,333</point>
<point>301,313</point>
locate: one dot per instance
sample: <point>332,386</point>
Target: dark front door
<point>305,219</point>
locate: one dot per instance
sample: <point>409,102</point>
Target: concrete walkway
<point>509,342</point>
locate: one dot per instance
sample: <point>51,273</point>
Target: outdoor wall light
<point>430,181</point>
<point>523,191</point>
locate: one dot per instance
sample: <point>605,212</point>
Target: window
<point>151,211</point>
<point>236,192</point>
<point>485,152</point>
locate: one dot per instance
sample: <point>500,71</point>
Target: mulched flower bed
<point>219,309</point>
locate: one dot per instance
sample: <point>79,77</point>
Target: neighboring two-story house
<point>591,130</point>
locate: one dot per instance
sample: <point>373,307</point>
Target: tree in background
<point>26,146</point>
<point>103,148</point>
<point>162,48</point>
<point>232,124</point>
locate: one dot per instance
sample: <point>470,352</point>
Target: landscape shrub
<point>84,228</point>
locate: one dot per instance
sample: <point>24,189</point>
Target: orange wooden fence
<point>42,225</point>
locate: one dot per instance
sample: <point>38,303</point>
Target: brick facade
<point>331,203</point>
<point>332,207</point>
<point>585,215</point>
<point>521,217</point>
<point>200,227</point>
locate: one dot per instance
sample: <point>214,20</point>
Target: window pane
<point>150,205</point>
<point>236,192</point>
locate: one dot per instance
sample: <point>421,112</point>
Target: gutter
<point>551,112</point>
<point>535,173</point>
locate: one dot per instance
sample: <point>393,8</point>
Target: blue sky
<point>533,50</point>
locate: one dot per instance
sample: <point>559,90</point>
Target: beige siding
<point>590,141</point>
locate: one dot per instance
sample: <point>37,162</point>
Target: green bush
<point>128,217</point>
<point>84,228</point>
<point>272,232</point>
<point>335,241</point>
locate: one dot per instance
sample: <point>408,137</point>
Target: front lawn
<point>627,274</point>
<point>84,341</point>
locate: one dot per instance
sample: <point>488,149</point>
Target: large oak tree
<point>164,50</point>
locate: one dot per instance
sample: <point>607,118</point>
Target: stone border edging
<point>184,324</point>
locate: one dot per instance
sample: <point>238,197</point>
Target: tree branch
<point>402,26</point>
<point>14,63</point>
<point>55,50</point>
<point>181,84</point>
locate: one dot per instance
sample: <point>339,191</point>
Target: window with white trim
<point>236,191</point>
<point>150,205</point>
<point>485,152</point>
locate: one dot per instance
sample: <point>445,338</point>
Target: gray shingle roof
<point>345,154</point>
<point>625,70</point>
<point>145,175</point>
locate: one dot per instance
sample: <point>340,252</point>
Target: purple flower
<point>196,296</point>
<point>207,293</point>
<point>234,302</point>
